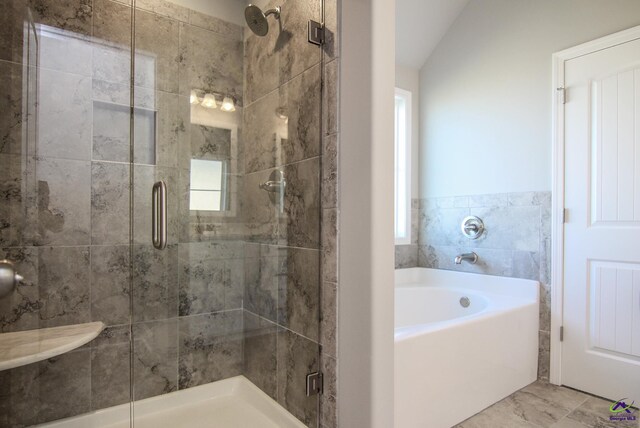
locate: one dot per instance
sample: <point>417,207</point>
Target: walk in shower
<point>160,177</point>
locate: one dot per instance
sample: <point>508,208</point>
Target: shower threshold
<point>229,403</point>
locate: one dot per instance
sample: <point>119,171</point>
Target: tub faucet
<point>470,257</point>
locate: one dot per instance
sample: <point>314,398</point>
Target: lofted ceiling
<point>420,24</point>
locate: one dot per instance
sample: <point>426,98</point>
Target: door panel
<point>613,314</point>
<point>64,213</point>
<point>231,122</point>
<point>615,163</point>
<point>602,254</point>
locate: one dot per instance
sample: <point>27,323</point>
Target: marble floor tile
<point>594,412</point>
<point>541,411</point>
<point>545,405</point>
<point>565,397</point>
<point>568,423</point>
<point>496,416</point>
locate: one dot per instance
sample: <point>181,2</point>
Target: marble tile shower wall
<point>330,213</point>
<point>282,131</point>
<point>517,243</point>
<point>64,217</point>
<point>279,261</point>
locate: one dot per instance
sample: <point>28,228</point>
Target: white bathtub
<point>451,362</point>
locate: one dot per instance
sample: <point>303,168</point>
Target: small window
<point>207,183</point>
<point>402,167</point>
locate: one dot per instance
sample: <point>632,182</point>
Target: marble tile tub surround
<point>406,256</point>
<point>544,405</point>
<point>516,243</point>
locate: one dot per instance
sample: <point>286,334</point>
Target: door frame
<point>557,200</point>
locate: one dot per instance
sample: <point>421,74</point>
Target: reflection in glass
<point>207,185</point>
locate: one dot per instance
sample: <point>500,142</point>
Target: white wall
<point>408,78</point>
<point>365,240</point>
<point>486,91</point>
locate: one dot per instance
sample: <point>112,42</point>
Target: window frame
<point>402,165</point>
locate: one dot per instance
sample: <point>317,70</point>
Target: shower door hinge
<point>316,33</point>
<point>314,384</point>
<point>565,215</point>
<point>561,333</point>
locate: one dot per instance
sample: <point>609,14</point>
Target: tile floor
<point>544,405</point>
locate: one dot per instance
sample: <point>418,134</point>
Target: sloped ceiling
<point>420,24</point>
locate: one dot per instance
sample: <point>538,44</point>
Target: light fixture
<point>228,104</point>
<point>194,98</point>
<point>209,101</point>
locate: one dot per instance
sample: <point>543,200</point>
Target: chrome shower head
<point>257,19</point>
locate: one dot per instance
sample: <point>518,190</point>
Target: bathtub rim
<point>504,295</point>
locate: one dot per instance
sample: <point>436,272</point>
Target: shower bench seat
<point>25,347</point>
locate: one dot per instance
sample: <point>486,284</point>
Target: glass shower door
<point>229,122</point>
<point>64,209</point>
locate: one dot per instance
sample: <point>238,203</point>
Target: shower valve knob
<point>9,278</point>
<point>472,227</point>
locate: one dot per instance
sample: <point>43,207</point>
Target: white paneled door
<point>601,347</point>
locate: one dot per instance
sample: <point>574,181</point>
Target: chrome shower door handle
<point>159,215</point>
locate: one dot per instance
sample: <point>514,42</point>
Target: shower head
<point>257,19</point>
